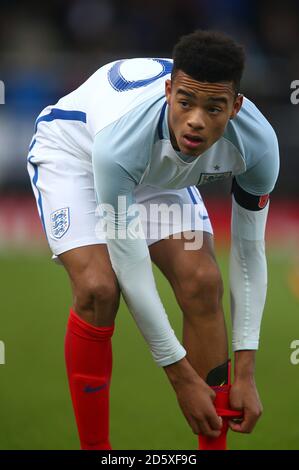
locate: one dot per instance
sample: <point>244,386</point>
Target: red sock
<point>88,356</point>
<point>221,404</point>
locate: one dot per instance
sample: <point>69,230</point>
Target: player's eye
<point>214,110</point>
<point>184,104</point>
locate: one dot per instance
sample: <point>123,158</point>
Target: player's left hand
<point>244,397</point>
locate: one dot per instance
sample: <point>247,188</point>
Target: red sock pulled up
<point>88,357</point>
<point>221,404</point>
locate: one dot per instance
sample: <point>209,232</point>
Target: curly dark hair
<point>209,56</point>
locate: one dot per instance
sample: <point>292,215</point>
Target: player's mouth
<point>192,141</point>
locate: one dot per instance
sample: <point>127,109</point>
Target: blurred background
<point>46,51</point>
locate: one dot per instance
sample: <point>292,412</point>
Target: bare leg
<point>94,284</point>
<point>196,281</point>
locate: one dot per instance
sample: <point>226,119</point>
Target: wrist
<point>181,372</point>
<point>244,365</point>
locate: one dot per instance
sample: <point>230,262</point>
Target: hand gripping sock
<point>220,381</point>
<point>88,356</point>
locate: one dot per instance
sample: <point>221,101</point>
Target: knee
<point>97,293</point>
<point>201,290</point>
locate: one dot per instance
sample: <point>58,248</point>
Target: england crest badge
<point>60,222</point>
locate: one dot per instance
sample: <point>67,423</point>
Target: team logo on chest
<point>60,222</point>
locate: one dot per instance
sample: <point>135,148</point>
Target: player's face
<point>199,112</point>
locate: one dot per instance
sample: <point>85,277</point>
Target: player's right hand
<point>195,398</point>
<point>196,402</point>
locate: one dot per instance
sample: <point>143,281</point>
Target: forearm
<point>248,284</point>
<point>244,365</point>
<point>180,372</point>
<point>140,293</point>
<point>248,276</point>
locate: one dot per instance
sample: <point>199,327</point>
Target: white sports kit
<point>109,139</point>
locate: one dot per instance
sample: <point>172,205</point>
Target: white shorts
<point>63,186</point>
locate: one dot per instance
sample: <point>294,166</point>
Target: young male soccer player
<point>151,131</point>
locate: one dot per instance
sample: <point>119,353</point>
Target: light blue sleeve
<point>248,266</point>
<point>120,155</point>
<point>261,152</point>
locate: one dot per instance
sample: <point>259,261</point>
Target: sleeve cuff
<point>166,361</point>
<point>245,345</point>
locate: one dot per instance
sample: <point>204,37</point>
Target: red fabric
<point>221,404</point>
<point>88,356</point>
<point>222,409</point>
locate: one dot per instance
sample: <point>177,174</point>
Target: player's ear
<point>237,105</point>
<point>168,90</point>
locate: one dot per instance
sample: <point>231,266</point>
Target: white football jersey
<point>123,103</point>
<point>117,121</point>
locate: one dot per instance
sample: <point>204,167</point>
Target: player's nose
<point>196,120</point>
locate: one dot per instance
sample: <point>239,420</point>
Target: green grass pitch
<point>35,407</point>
